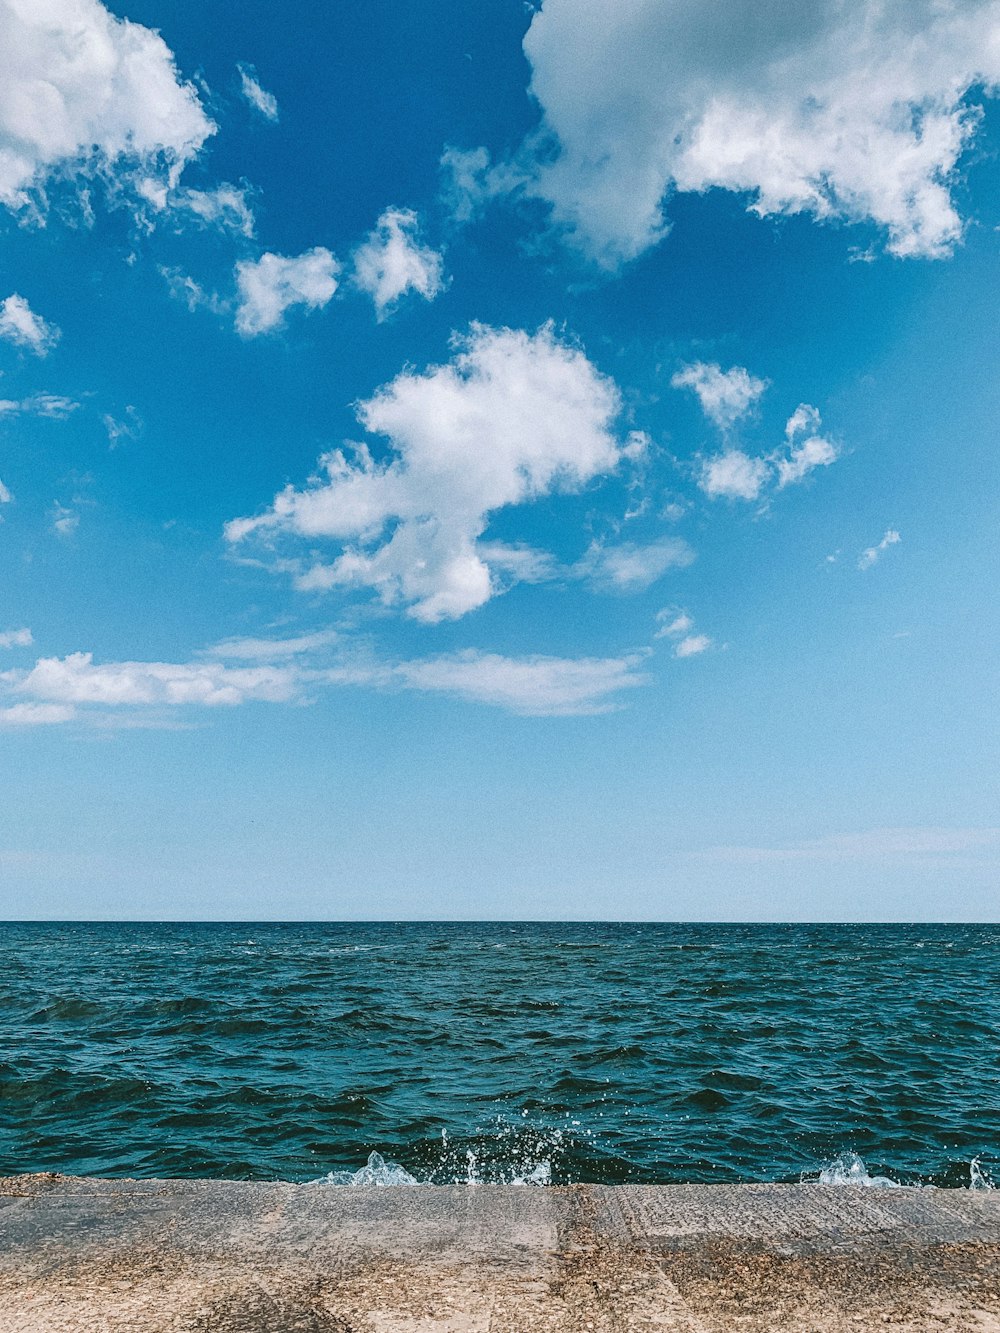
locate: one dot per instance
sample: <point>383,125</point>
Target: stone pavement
<point>127,1256</point>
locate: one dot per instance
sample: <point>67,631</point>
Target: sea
<point>536,1054</point>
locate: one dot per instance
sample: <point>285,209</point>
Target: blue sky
<point>499,461</point>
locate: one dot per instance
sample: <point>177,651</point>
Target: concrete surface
<point>110,1256</point>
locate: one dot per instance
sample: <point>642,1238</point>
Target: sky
<point>499,461</point>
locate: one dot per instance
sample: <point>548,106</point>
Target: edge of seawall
<point>209,1256</point>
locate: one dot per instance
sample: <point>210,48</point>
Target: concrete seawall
<point>103,1256</point>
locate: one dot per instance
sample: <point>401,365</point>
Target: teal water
<point>586,1052</point>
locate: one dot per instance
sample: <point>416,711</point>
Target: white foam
<point>376,1171</point>
<point>849,1169</point>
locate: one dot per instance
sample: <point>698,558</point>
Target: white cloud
<point>127,427</point>
<point>677,624</point>
<point>15,638</point>
<point>55,406</point>
<point>272,650</point>
<point>470,181</point>
<point>512,417</point>
<point>873,845</point>
<point>65,521</point>
<point>35,715</point>
<point>225,207</point>
<point>76,688</point>
<point>552,686</point>
<point>673,622</point>
<point>871,554</point>
<point>77,679</point>
<point>5,495</point>
<point>19,324</point>
<point>692,644</point>
<point>725,396</point>
<point>632,567</point>
<point>270,285</point>
<point>264,102</point>
<point>733,475</point>
<point>854,111</point>
<point>804,454</point>
<point>183,288</point>
<point>82,91</point>
<point>392,261</point>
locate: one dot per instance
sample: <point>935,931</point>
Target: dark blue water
<point>549,1052</point>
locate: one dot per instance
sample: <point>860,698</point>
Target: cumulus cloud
<point>733,475</point>
<point>20,325</point>
<point>692,644</point>
<point>392,261</point>
<point>726,396</point>
<point>511,417</point>
<point>872,554</point>
<point>736,475</point>
<point>858,111</point>
<point>677,625</point>
<point>264,102</point>
<point>15,638</point>
<point>807,448</point>
<point>82,91</point>
<point>5,495</point>
<point>268,286</point>
<point>632,566</point>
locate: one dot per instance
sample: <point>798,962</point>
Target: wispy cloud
<point>880,844</point>
<point>264,102</point>
<point>294,671</point>
<point>55,406</point>
<point>872,554</point>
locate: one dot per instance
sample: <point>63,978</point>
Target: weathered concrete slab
<point>89,1256</point>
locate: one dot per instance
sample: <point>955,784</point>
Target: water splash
<point>376,1171</point>
<point>849,1169</point>
<point>979,1178</point>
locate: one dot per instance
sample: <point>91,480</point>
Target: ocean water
<point>537,1053</point>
